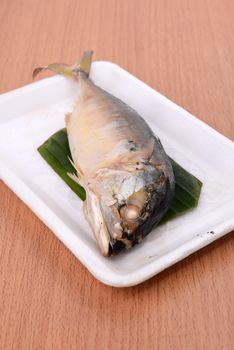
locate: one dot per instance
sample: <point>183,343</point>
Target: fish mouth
<point>142,213</point>
<point>106,222</point>
<point>118,226</point>
<point>116,247</point>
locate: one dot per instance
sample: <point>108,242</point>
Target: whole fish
<point>120,162</point>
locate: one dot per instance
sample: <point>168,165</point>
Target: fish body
<point>120,162</point>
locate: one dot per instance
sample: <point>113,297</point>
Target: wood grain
<point>185,50</point>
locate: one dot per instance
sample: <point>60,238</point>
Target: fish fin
<point>81,67</point>
<point>72,163</point>
<point>67,118</point>
<point>79,171</point>
<point>58,68</point>
<point>148,149</point>
<point>84,64</point>
<point>74,178</point>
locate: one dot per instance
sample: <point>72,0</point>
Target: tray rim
<point>46,214</point>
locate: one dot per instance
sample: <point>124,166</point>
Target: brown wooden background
<point>185,50</point>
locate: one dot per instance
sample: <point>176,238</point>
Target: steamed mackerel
<point>120,162</point>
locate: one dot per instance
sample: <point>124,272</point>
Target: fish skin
<point>120,162</point>
<point>116,150</point>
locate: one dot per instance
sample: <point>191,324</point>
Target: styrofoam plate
<point>29,115</point>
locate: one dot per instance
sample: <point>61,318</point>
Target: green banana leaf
<point>56,153</point>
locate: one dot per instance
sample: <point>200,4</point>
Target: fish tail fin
<point>84,64</point>
<point>58,68</point>
<point>81,67</point>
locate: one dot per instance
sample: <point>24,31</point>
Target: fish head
<point>122,207</point>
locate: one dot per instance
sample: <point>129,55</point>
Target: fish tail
<point>81,67</point>
<point>84,64</point>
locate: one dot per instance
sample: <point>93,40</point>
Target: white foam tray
<point>29,115</point>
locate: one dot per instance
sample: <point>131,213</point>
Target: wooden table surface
<point>185,50</point>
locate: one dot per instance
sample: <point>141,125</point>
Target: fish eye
<point>130,213</point>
